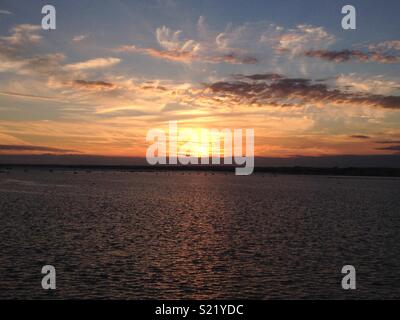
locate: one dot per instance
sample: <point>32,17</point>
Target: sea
<point>126,234</point>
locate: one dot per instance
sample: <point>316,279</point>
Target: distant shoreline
<point>297,170</point>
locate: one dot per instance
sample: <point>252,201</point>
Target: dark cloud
<point>277,90</point>
<point>390,148</point>
<point>387,141</point>
<point>93,84</point>
<point>9,147</point>
<point>153,87</point>
<point>347,55</point>
<point>235,59</point>
<point>261,76</point>
<point>359,136</point>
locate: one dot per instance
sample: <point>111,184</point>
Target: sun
<point>197,142</point>
<point>190,142</point>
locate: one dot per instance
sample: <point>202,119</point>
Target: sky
<point>113,70</point>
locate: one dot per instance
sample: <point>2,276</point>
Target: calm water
<point>135,235</point>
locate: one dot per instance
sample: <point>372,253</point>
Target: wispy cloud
<point>188,56</point>
<point>23,34</point>
<point>385,46</point>
<point>245,44</point>
<point>93,64</point>
<point>15,49</point>
<point>378,84</point>
<point>7,147</point>
<point>29,96</point>
<point>5,12</point>
<point>348,55</point>
<point>80,37</point>
<point>299,39</point>
<point>208,47</point>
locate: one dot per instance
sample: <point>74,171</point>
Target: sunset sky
<point>112,70</point>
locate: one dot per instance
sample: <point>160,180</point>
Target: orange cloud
<point>93,64</point>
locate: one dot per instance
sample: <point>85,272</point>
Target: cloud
<point>93,64</point>
<point>28,96</point>
<point>234,58</point>
<point>377,84</point>
<point>244,44</point>
<point>23,34</point>
<point>260,38</point>
<point>348,55</point>
<point>207,49</point>
<point>170,40</point>
<point>176,107</point>
<point>125,112</point>
<point>298,39</point>
<point>16,57</point>
<point>80,37</point>
<point>390,148</point>
<point>360,136</point>
<point>247,44</point>
<point>172,55</point>
<point>385,46</point>
<point>260,76</point>
<point>388,141</point>
<point>14,51</point>
<point>45,64</point>
<point>95,85</point>
<point>190,56</point>
<point>7,147</point>
<point>287,92</point>
<point>5,12</point>
<point>49,77</point>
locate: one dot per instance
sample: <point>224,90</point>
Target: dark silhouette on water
<point>335,171</point>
